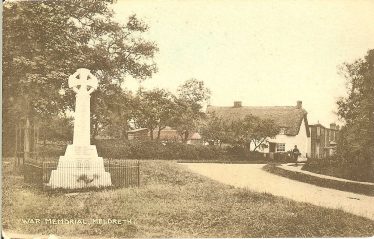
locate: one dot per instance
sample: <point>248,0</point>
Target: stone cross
<point>83,79</point>
<point>83,84</point>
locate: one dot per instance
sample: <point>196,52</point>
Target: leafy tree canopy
<point>253,131</point>
<point>357,110</point>
<point>46,41</point>
<point>247,132</point>
<point>155,109</point>
<point>190,100</point>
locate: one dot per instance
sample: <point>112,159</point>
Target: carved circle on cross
<point>83,81</point>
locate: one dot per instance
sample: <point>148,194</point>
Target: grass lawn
<point>322,182</point>
<point>174,202</point>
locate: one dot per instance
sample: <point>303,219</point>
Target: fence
<point>33,173</point>
<point>122,173</point>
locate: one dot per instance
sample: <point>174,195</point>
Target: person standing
<point>296,153</point>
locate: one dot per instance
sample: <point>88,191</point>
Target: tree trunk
<point>186,133</point>
<point>151,133</point>
<point>26,146</point>
<point>160,128</point>
<point>159,133</point>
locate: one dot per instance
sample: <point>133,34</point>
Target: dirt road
<point>252,176</point>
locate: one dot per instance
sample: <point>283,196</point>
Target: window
<point>318,131</point>
<point>281,147</point>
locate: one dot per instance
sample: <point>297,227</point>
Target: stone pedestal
<point>80,167</point>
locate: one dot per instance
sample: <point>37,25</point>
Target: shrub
<point>284,157</point>
<point>155,150</point>
<point>51,150</point>
<point>239,153</point>
<point>358,169</point>
<point>125,149</point>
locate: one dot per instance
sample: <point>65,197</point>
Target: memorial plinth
<point>81,167</point>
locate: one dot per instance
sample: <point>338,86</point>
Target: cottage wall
<point>309,148</point>
<point>301,140</point>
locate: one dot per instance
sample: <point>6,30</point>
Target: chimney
<point>299,104</point>
<point>237,104</point>
<point>332,126</point>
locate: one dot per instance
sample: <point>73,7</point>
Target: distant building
<point>195,139</point>
<point>172,135</point>
<point>168,134</point>
<point>323,140</point>
<point>138,134</point>
<point>293,122</point>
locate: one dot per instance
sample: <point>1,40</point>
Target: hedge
<point>337,166</point>
<point>125,149</point>
<point>155,150</point>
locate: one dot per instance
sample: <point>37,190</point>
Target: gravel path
<point>252,176</point>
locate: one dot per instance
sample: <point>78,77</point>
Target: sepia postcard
<point>187,119</point>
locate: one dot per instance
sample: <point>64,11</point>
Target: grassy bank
<point>174,202</point>
<point>322,182</point>
<point>357,170</point>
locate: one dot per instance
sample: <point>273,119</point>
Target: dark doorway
<point>272,147</point>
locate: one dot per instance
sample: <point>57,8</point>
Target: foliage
<point>122,149</point>
<point>112,108</point>
<point>215,130</point>
<point>356,141</point>
<point>153,149</point>
<point>154,110</point>
<point>336,166</point>
<point>46,41</point>
<point>243,132</point>
<point>194,92</point>
<point>58,128</point>
<point>191,97</point>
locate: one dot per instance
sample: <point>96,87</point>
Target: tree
<point>155,109</point>
<point>253,131</point>
<point>46,41</point>
<point>112,110</point>
<point>191,97</point>
<point>59,128</point>
<point>216,130</point>
<point>264,130</point>
<point>357,110</point>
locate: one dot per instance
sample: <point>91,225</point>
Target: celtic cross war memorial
<point>81,167</point>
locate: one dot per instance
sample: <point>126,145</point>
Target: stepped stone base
<point>80,167</point>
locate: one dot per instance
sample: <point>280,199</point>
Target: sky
<point>263,53</point>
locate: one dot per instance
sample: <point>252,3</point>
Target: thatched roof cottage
<point>292,121</point>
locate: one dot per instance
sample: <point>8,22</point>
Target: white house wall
<point>309,148</point>
<point>301,140</point>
